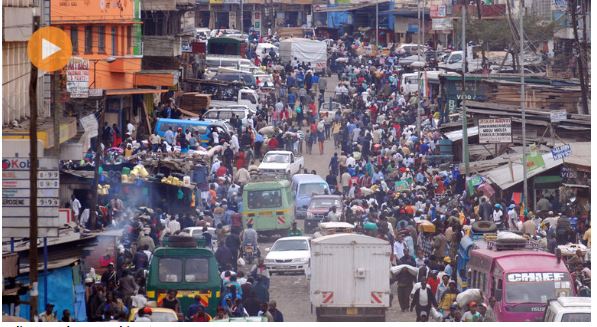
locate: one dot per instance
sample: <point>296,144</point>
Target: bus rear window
<point>264,199</point>
<point>170,270</point>
<point>196,270</point>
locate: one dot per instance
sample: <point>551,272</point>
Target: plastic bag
<point>241,262</point>
<point>435,315</point>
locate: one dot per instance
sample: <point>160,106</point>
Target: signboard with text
<point>561,152</point>
<point>77,77</point>
<point>495,130</point>
<point>16,194</point>
<point>558,116</point>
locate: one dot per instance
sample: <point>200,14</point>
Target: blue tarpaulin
<point>337,19</point>
<point>61,292</point>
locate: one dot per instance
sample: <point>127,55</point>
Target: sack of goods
<point>472,294</point>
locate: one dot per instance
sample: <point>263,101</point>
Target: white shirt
<point>173,226</point>
<point>76,206</point>
<point>398,249</point>
<point>497,215</point>
<point>216,137</point>
<point>350,161</point>
<point>234,143</point>
<point>130,128</point>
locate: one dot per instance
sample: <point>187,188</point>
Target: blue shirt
<point>315,79</point>
<point>259,138</point>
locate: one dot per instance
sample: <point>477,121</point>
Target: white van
<point>409,83</point>
<point>568,309</point>
<point>226,113</point>
<point>215,62</point>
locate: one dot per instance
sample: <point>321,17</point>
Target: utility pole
<point>33,260</point>
<point>419,31</point>
<point>522,108</point>
<point>377,24</point>
<point>465,153</point>
<point>242,17</point>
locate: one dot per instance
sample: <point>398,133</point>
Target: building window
<point>101,39</point>
<point>88,39</point>
<point>74,38</point>
<point>114,42</point>
<point>129,39</point>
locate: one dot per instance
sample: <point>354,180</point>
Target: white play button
<point>48,48</point>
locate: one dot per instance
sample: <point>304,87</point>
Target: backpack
<point>320,126</point>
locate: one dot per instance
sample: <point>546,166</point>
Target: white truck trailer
<point>304,50</point>
<point>350,277</point>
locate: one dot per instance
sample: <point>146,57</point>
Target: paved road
<point>291,292</point>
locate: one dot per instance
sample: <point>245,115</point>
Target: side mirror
<point>267,249</point>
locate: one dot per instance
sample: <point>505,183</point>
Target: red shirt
<point>313,109</point>
<point>221,171</point>
<point>273,143</point>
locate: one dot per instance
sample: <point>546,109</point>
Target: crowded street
<point>243,162</point>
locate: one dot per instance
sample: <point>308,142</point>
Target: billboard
<point>91,10</point>
<point>495,130</point>
<point>77,77</point>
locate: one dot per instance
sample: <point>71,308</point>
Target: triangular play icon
<point>48,48</point>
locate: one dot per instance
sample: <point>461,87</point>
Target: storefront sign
<point>558,116</point>
<point>441,24</point>
<point>77,77</point>
<point>16,196</point>
<point>535,161</point>
<point>561,152</point>
<point>498,130</point>
<point>90,125</point>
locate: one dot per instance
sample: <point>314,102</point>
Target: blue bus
<point>202,127</point>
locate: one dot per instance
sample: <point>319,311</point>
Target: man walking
<point>422,301</point>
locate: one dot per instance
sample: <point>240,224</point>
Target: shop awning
<point>133,91</point>
<point>576,185</point>
<point>457,135</point>
<point>325,8</point>
<point>504,179</point>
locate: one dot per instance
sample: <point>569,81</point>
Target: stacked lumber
<point>538,96</point>
<point>195,102</point>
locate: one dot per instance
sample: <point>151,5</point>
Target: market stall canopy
<point>504,178</point>
<point>457,135</point>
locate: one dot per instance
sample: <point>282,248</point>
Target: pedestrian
<point>48,315</point>
<point>472,315</point>
<point>171,302</point>
<point>423,300</point>
<point>276,314</point>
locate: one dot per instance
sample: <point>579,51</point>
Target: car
<point>319,208</point>
<point>568,309</point>
<point>289,254</point>
<point>157,315</point>
<point>282,162</point>
<point>197,232</point>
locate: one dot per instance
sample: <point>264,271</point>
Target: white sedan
<point>289,254</point>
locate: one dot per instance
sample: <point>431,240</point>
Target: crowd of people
<point>385,165</point>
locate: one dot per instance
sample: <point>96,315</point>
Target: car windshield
<point>324,203</point>
<point>536,292</point>
<point>290,245</point>
<point>276,158</point>
<point>312,189</point>
<point>264,199</point>
<point>576,317</point>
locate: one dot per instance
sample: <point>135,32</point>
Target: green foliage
<point>497,36</point>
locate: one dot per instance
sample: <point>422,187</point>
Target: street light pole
<point>465,153</point>
<point>377,24</point>
<point>522,108</point>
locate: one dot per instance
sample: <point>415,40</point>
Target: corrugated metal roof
<point>502,177</point>
<point>457,135</point>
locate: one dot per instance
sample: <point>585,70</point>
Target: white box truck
<point>350,277</point>
<point>304,50</point>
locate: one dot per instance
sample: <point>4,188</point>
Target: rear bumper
<point>349,314</point>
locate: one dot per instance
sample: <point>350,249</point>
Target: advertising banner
<point>498,130</point>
